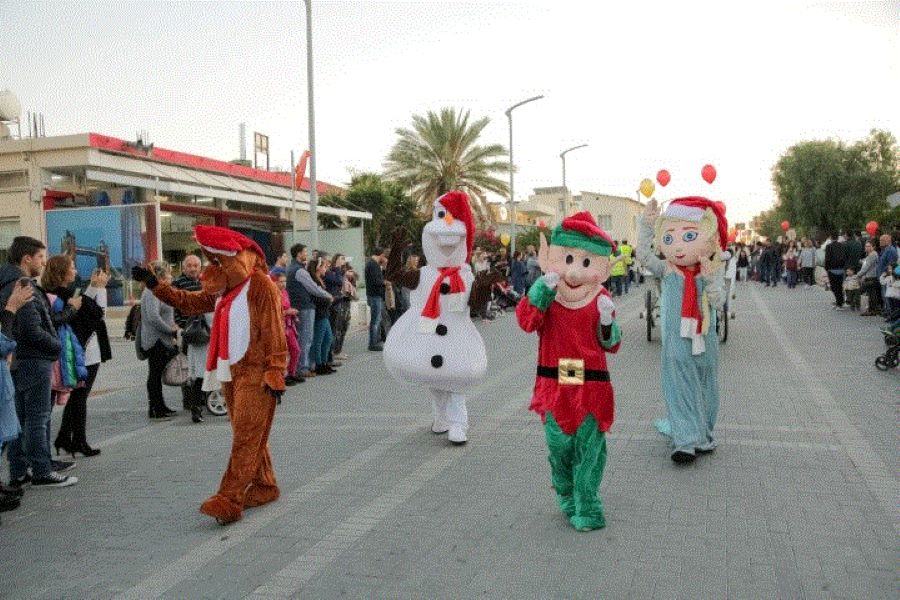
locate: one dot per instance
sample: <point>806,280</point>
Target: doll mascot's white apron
<point>690,234</point>
<point>435,343</point>
<point>574,317</point>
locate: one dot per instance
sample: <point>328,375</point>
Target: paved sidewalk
<point>799,501</point>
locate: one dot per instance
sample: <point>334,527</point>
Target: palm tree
<point>440,154</point>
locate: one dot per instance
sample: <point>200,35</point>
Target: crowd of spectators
<point>850,265</point>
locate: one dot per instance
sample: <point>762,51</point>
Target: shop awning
<point>179,180</point>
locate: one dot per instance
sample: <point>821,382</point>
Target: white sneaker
<point>54,479</point>
<point>457,435</point>
<point>439,427</point>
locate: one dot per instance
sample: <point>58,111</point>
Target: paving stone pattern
<point>795,503</point>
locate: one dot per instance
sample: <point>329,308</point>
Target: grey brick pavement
<point>796,502</point>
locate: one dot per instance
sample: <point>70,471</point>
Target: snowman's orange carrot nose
<point>449,219</point>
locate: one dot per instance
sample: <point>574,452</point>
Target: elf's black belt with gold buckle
<point>571,371</point>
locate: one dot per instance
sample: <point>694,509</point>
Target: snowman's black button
<point>445,288</point>
<point>437,361</point>
<point>441,329</point>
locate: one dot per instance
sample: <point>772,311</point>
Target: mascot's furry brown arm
<point>247,358</point>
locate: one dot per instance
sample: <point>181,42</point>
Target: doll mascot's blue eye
<point>668,239</point>
<point>689,236</point>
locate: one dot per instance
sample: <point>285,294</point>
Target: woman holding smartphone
<point>84,314</point>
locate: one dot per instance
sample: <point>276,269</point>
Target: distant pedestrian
<point>851,288</point>
<point>374,278</point>
<point>836,265</point>
<point>158,330</point>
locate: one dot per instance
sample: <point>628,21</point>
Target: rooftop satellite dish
<point>10,107</point>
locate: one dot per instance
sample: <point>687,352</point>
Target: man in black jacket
<point>836,265</point>
<point>192,397</point>
<point>37,346</point>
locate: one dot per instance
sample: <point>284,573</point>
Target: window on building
<point>605,222</point>
<point>9,229</point>
<point>13,179</point>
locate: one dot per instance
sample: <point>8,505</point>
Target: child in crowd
<point>290,329</point>
<point>851,288</point>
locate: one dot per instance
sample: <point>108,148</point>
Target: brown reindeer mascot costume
<point>247,358</point>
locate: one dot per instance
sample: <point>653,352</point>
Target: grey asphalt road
<point>799,500</point>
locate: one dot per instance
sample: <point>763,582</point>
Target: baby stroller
<point>503,296</point>
<point>891,356</point>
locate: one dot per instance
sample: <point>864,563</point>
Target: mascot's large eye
<point>569,259</point>
<point>441,214</point>
<point>586,262</point>
<point>689,236</point>
<point>668,239</point>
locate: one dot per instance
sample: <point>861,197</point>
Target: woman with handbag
<point>158,331</point>
<point>195,337</point>
<point>70,372</point>
<point>88,325</point>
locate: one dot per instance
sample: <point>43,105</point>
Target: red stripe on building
<point>182,159</point>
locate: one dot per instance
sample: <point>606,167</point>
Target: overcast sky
<point>672,85</point>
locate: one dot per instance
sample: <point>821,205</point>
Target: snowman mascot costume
<point>435,343</point>
<point>574,318</point>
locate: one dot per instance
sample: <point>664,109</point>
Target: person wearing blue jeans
<point>37,347</point>
<point>306,327</point>
<point>375,295</point>
<point>301,290</point>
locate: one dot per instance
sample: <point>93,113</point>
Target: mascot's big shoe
<point>247,358</point>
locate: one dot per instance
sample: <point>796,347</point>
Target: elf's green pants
<point>576,468</point>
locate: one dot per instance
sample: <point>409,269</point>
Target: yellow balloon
<point>647,188</point>
<point>504,239</point>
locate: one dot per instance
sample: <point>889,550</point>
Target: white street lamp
<point>512,170</point>
<point>313,192</point>
<point>563,157</point>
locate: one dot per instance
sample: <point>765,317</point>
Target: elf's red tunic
<point>569,333</point>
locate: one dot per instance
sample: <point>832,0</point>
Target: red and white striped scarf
<point>692,324</point>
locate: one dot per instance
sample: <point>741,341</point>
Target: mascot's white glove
<point>606,307</point>
<point>551,280</point>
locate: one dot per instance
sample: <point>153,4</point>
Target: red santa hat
<point>581,231</point>
<point>691,208</point>
<point>221,240</point>
<point>457,203</point>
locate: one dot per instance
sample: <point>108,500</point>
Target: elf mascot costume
<point>690,235</point>
<point>574,318</point>
<point>435,343</point>
<point>247,358</point>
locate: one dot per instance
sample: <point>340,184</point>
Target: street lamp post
<point>512,169</point>
<point>313,192</point>
<point>563,157</point>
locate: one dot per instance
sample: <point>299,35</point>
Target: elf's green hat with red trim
<point>581,231</point>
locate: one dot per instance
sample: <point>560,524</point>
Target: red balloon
<point>872,228</point>
<point>785,225</point>
<point>709,173</point>
<point>663,178</point>
<point>542,224</point>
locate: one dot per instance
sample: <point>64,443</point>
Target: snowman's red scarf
<point>691,315</point>
<point>432,309</point>
<point>218,334</point>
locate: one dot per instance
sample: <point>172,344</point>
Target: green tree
<point>827,185</point>
<point>531,237</point>
<point>440,153</point>
<point>327,221</point>
<point>391,209</point>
